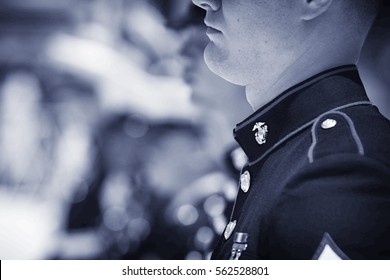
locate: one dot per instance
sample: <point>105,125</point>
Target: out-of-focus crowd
<point>115,138</point>
<point>112,144</point>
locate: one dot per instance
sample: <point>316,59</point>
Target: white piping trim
<point>310,153</point>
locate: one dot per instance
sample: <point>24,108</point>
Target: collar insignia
<point>261,132</point>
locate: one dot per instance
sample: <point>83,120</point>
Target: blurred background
<point>115,139</point>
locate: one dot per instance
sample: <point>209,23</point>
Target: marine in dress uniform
<point>317,182</point>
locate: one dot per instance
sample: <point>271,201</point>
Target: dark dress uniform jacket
<point>317,182</point>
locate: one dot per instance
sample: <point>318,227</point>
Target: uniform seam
<point>355,136</point>
<point>310,152</point>
<point>354,133</point>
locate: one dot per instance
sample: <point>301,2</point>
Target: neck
<point>308,64</point>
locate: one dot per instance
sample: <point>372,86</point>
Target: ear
<point>314,8</point>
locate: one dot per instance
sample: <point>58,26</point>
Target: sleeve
<point>344,197</point>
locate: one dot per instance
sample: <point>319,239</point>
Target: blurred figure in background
<point>64,71</point>
<point>31,211</point>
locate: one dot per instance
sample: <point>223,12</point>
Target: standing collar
<point>296,107</point>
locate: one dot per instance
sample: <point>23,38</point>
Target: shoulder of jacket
<point>362,131</point>
<point>334,132</point>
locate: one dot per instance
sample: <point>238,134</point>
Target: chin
<point>219,62</point>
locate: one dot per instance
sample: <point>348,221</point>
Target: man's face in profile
<point>249,38</point>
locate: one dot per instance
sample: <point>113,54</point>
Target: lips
<point>211,31</point>
<point>212,28</point>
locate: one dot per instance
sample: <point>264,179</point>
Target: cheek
<point>262,22</point>
<point>262,41</point>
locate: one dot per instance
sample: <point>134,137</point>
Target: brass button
<point>229,229</point>
<point>328,123</point>
<point>245,181</point>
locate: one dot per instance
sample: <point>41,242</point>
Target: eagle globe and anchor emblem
<point>261,132</point>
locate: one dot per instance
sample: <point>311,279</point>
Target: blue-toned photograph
<point>194,130</point>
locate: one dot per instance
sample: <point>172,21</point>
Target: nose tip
<point>208,5</point>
